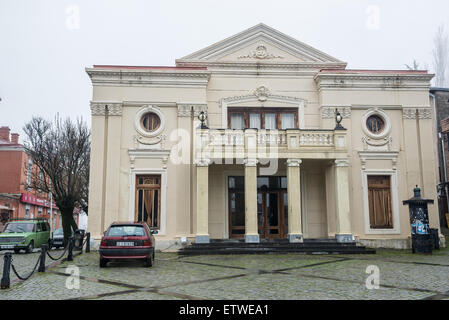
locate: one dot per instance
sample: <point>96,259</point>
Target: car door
<point>38,235</point>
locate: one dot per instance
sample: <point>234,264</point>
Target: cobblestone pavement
<point>289,276</point>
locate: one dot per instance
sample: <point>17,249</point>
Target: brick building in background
<point>17,199</point>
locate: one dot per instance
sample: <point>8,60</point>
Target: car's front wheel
<point>103,263</point>
<point>30,247</point>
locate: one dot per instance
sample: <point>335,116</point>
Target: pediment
<point>260,44</point>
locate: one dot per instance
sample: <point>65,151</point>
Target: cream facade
<point>269,161</point>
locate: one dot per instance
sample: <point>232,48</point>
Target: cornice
<point>373,80</point>
<point>127,77</point>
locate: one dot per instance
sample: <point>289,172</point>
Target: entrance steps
<point>309,246</point>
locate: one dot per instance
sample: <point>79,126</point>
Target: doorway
<point>272,207</point>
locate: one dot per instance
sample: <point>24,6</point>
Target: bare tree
<point>414,67</point>
<point>440,56</point>
<point>61,153</point>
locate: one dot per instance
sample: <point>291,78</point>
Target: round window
<point>150,122</point>
<point>375,124</point>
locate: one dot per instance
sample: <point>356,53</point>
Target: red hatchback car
<point>128,240</point>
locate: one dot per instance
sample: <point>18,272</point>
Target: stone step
<point>224,251</point>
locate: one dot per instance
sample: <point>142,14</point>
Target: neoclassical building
<point>261,136</point>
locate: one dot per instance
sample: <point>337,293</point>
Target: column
<point>202,201</point>
<point>251,226</point>
<point>342,201</point>
<point>294,200</point>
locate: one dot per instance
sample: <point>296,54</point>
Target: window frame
<point>152,187</point>
<point>394,189</point>
<point>262,111</point>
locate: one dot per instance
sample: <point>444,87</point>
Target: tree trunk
<point>68,224</point>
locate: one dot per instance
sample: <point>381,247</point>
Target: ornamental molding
<point>329,112</point>
<point>341,163</point>
<point>137,123</point>
<point>386,119</point>
<point>106,108</point>
<point>262,93</point>
<point>384,144</point>
<point>412,113</point>
<point>187,109</point>
<point>379,155</point>
<point>424,113</point>
<point>260,53</point>
<point>294,162</point>
<point>204,162</point>
<point>250,162</point>
<point>148,77</point>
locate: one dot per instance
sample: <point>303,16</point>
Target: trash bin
<point>419,222</point>
<point>78,240</point>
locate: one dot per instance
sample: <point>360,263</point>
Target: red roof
<point>375,71</point>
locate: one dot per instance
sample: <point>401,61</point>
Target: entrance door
<point>270,214</point>
<point>272,207</point>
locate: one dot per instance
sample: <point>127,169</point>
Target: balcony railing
<point>225,142</point>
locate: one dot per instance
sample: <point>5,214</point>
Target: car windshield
<point>123,231</point>
<point>58,232</point>
<point>19,227</point>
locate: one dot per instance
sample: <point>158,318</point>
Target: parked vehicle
<point>58,238</point>
<point>25,234</point>
<point>128,240</point>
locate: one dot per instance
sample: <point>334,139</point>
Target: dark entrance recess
<point>272,207</point>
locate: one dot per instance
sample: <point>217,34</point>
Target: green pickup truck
<point>25,234</point>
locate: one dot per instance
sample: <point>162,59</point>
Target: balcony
<point>253,143</point>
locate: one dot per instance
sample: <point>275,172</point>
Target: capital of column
<point>294,162</point>
<point>251,162</point>
<point>202,162</point>
<point>341,163</point>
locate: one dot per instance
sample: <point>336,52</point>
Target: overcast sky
<point>46,44</point>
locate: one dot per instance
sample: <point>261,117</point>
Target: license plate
<point>125,244</point>
<point>8,246</point>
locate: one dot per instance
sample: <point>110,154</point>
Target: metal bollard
<point>88,242</point>
<point>70,255</point>
<point>5,282</point>
<point>42,262</point>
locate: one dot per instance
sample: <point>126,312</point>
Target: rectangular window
<point>254,121</point>
<point>262,118</point>
<point>148,200</point>
<point>270,121</point>
<point>237,121</point>
<point>379,199</point>
<point>288,121</point>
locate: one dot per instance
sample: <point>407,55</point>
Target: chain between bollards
<point>6,281</point>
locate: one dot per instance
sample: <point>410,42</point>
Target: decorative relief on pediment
<point>329,112</point>
<point>262,93</point>
<point>260,53</point>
